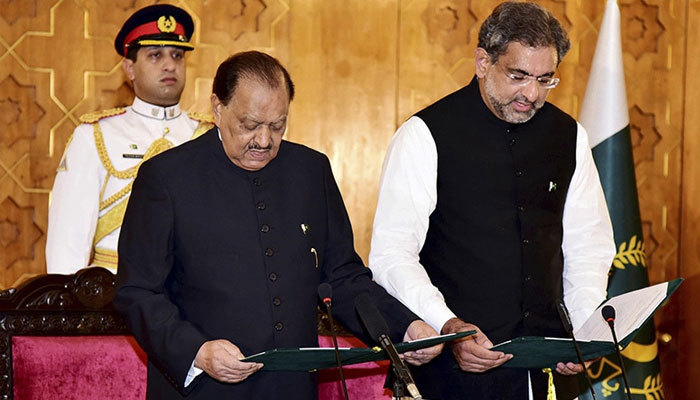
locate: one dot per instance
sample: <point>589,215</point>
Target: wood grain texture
<point>343,59</point>
<point>687,348</point>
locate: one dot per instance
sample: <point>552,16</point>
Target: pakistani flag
<point>605,116</point>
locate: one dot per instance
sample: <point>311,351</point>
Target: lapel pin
<point>305,229</point>
<point>313,250</point>
<point>552,186</point>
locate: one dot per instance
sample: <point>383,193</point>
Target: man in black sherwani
<point>225,241</point>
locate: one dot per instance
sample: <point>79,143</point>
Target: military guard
<point>94,177</point>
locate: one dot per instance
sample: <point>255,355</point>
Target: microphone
<point>378,329</point>
<point>325,292</point>
<point>569,328</point>
<point>608,313</point>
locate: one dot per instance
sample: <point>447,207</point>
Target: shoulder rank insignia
<point>201,117</point>
<point>91,118</point>
<point>63,166</point>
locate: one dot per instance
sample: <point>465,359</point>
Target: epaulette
<point>201,117</point>
<point>91,118</point>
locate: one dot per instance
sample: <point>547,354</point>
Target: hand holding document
<point>315,358</point>
<point>594,337</point>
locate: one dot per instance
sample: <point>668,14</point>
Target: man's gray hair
<point>526,23</point>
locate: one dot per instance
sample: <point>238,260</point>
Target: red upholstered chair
<point>60,338</point>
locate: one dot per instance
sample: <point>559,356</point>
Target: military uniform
<point>94,178</point>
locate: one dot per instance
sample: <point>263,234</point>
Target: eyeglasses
<point>545,82</point>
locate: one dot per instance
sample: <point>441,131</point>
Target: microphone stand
<point>609,315</point>
<point>378,329</point>
<point>335,345</point>
<point>569,328</point>
<point>398,389</point>
<point>403,375</point>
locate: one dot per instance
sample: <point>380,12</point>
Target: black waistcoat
<point>493,246</point>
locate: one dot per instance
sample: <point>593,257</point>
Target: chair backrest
<point>60,338</point>
<point>56,330</point>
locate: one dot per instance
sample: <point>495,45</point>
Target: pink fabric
<point>78,367</point>
<point>364,381</point>
<point>114,367</point>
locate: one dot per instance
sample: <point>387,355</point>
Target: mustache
<point>255,146</point>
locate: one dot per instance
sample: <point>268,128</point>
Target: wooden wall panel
<point>343,60</point>
<point>57,62</point>
<point>361,68</point>
<point>687,347</point>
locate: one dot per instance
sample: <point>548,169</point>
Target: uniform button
<point>528,278</point>
<point>276,301</point>
<point>526,242</point>
<point>279,326</point>
<point>507,130</point>
<point>526,314</point>
<point>512,142</point>
<point>257,182</point>
<point>518,173</point>
<point>269,252</point>
<point>265,228</point>
<point>166,130</point>
<point>261,205</point>
<point>272,276</point>
<point>521,208</point>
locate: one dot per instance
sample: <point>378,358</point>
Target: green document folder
<point>633,310</point>
<point>315,358</point>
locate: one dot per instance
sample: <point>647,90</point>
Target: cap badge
<point>167,24</point>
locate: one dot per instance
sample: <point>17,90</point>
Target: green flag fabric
<point>604,115</point>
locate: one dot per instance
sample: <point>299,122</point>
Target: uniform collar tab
<point>156,112</point>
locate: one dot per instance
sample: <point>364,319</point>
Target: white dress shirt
<point>408,195</point>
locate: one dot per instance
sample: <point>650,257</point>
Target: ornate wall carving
<point>57,62</point>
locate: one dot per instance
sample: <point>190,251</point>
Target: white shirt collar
<point>156,112</point>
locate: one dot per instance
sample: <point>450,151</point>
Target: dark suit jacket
<point>210,251</point>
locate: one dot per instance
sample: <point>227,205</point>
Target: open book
<point>594,338</point>
<point>315,358</point>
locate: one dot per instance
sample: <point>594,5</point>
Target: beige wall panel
<point>343,60</point>
<point>688,345</point>
<point>654,34</point>
<point>19,17</point>
<point>225,27</point>
<point>436,52</point>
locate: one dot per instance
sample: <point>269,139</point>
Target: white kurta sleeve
<point>407,197</point>
<point>588,244</point>
<point>74,205</point>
